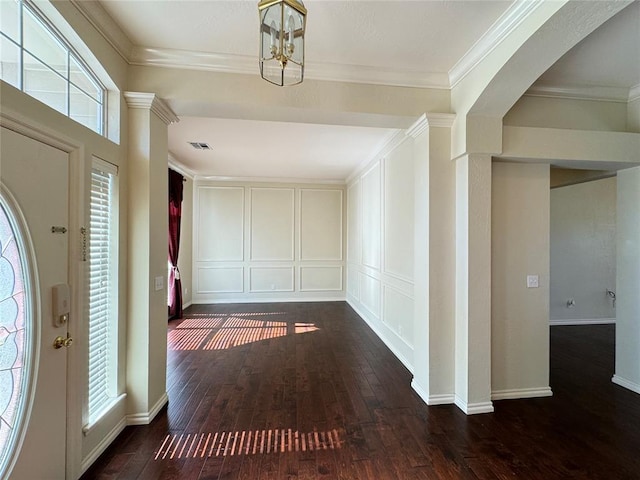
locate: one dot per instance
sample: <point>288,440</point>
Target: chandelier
<point>282,26</point>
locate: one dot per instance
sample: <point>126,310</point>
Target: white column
<point>628,280</point>
<point>147,255</point>
<point>434,259</point>
<point>473,284</point>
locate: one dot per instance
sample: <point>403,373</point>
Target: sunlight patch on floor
<point>246,442</point>
<point>224,331</point>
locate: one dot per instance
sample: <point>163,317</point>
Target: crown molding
<point>280,180</point>
<point>214,62</point>
<point>634,93</point>
<point>176,165</point>
<point>498,32</point>
<point>98,17</point>
<point>376,76</point>
<point>245,64</point>
<point>427,120</point>
<point>149,101</point>
<point>584,92</point>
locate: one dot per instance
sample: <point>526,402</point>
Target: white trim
<point>97,16</point>
<point>272,180</point>
<point>473,408</point>
<point>104,166</point>
<point>248,65</point>
<point>103,445</point>
<point>521,393</point>
<point>186,305</point>
<point>581,92</point>
<point>634,93</point>
<point>440,399</point>
<point>174,164</point>
<point>628,384</point>
<point>268,300</point>
<point>150,101</point>
<point>145,418</point>
<point>394,141</point>
<point>582,321</point>
<point>499,31</point>
<point>88,428</point>
<point>384,338</point>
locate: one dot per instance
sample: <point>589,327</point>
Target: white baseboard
<point>473,408</point>
<point>102,446</point>
<point>521,393</point>
<point>186,305</point>
<point>628,384</point>
<point>205,301</point>
<point>384,338</point>
<point>583,321</point>
<point>145,418</point>
<point>422,393</point>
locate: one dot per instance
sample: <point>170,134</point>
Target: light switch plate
<point>159,283</point>
<point>533,281</point>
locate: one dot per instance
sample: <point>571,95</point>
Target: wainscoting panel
<point>271,279</point>
<point>220,279</point>
<point>272,224</point>
<point>220,224</point>
<point>320,224</point>
<point>320,278</point>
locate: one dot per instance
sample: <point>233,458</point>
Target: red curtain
<point>175,212</point>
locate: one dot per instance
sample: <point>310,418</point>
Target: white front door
<point>37,176</point>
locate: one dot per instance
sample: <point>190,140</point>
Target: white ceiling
<point>406,42</point>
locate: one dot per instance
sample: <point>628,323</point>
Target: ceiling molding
<point>286,180</point>
<point>634,93</point>
<point>98,17</point>
<point>498,32</point>
<point>392,142</point>
<point>582,92</point>
<point>427,120</point>
<point>150,101</point>
<point>245,64</point>
<point>174,164</point>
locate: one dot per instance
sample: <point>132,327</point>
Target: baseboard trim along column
<point>623,382</point>
<point>145,418</point>
<point>516,393</point>
<point>473,408</point>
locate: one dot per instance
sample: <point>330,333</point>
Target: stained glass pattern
<point>12,332</point>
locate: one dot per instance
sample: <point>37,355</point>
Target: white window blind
<point>102,349</point>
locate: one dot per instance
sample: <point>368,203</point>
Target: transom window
<point>35,58</point>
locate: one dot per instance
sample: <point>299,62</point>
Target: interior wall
<point>536,111</point>
<point>267,242</point>
<point>628,279</point>
<point>380,254</point>
<point>185,256</point>
<point>520,247</point>
<point>583,252</point>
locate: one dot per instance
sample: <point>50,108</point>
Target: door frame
<point>30,128</point>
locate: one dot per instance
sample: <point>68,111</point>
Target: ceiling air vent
<point>200,145</point>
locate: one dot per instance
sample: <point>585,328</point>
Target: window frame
<point>111,363</point>
<point>71,55</point>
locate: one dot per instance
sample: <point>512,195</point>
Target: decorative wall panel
<point>220,224</point>
<point>320,224</point>
<point>272,224</point>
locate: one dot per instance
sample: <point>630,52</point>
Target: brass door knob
<point>60,342</point>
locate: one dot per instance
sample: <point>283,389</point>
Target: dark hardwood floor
<point>307,391</point>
